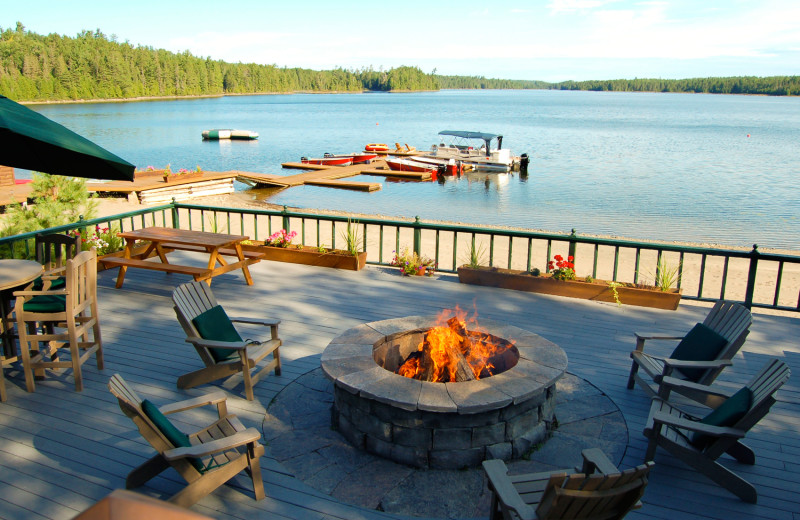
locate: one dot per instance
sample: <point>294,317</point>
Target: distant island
<point>92,66</point>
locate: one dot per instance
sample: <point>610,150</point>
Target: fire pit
<point>486,405</point>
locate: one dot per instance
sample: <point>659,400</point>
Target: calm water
<point>660,166</point>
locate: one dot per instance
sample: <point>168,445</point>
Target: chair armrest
<point>657,335</point>
<point>680,363</point>
<point>497,472</point>
<point>257,321</point>
<point>188,404</point>
<point>696,426</point>
<point>39,293</point>
<point>55,272</point>
<point>208,448</point>
<point>210,343</point>
<point>595,460</point>
<point>641,337</point>
<point>703,394</point>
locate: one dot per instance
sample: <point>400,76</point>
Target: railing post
<point>751,277</point>
<point>417,236</point>
<point>176,221</point>
<point>285,218</point>
<point>572,244</point>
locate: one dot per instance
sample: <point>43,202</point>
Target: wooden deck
<point>53,464</point>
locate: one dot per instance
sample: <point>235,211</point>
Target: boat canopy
<point>487,138</point>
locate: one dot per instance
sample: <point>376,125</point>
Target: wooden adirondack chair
<point>228,354</point>
<point>73,310</point>
<point>729,320</point>
<point>609,494</point>
<point>206,459</point>
<point>672,428</point>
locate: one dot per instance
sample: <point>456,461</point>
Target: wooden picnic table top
<point>183,237</point>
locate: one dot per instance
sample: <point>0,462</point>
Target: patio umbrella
<point>31,141</point>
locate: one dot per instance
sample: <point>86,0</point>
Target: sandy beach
<point>737,269</point>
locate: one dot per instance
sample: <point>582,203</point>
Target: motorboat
<point>401,164</point>
<point>477,149</point>
<point>358,158</point>
<point>219,133</point>
<point>329,160</point>
<point>449,166</point>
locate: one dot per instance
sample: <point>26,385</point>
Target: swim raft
<point>229,134</point>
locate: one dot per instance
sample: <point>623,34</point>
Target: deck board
<point>60,451</point>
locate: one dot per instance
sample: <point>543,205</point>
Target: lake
<point>716,169</point>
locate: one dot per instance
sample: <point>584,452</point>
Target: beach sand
<point>737,269</point>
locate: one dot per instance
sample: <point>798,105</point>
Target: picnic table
<point>163,240</point>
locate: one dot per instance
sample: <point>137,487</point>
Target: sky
<point>550,40</point>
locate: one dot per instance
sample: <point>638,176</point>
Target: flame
<point>453,329</point>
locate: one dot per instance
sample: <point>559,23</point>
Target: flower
<point>562,269</point>
<point>280,238</point>
<point>103,239</point>
<point>412,264</point>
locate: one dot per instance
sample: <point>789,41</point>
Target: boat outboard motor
<point>523,161</point>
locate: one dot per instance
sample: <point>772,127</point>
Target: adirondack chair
<point>217,342</point>
<point>206,459</point>
<point>609,494</point>
<point>702,354</point>
<point>72,310</point>
<point>700,442</point>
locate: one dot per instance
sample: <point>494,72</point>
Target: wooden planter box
<point>306,255</point>
<point>598,290</point>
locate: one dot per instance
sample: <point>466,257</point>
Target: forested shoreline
<point>93,67</point>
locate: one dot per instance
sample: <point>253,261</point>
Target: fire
<point>453,350</point>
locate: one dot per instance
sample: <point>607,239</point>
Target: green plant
<point>352,237</point>
<point>214,225</point>
<point>477,255</point>
<point>589,278</point>
<point>535,271</point>
<point>322,249</point>
<point>411,264</point>
<point>666,274</point>
<point>614,286</point>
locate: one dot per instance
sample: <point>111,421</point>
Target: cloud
<point>568,6</point>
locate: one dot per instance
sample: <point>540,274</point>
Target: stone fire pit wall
<point>441,425</point>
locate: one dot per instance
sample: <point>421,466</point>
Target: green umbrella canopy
<point>31,141</point>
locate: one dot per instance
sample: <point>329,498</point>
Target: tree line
<point>92,65</point>
<point>770,86</point>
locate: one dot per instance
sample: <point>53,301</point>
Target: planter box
<point>597,290</point>
<point>306,255</point>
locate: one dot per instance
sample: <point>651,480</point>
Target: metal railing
<point>756,279</point>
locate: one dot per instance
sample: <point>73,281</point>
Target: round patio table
<point>14,274</point>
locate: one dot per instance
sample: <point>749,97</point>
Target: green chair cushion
<point>46,303</point>
<point>727,414</point>
<point>700,344</point>
<point>173,434</point>
<point>214,324</point>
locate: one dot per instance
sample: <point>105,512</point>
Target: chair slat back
<point>55,249</point>
<point>595,497</point>
<point>730,320</point>
<point>81,281</point>
<point>131,405</point>
<point>192,299</point>
<point>763,387</point>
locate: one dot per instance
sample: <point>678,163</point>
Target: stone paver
<point>324,460</point>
